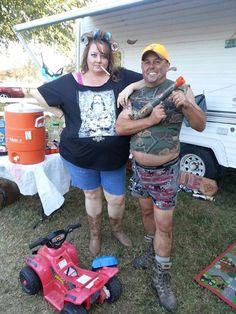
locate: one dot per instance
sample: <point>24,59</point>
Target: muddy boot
<point>95,234</point>
<point>145,260</point>
<point>116,228</point>
<point>161,282</point>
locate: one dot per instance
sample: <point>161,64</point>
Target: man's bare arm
<point>193,113</point>
<point>126,126</point>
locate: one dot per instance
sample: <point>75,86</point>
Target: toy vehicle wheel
<point>114,288</point>
<point>71,308</point>
<point>30,281</point>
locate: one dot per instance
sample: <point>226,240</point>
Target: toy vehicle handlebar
<point>70,228</point>
<point>147,109</point>
<point>40,241</point>
<point>55,239</point>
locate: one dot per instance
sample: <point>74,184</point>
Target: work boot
<point>95,234</point>
<point>143,261</point>
<point>116,228</point>
<point>161,282</point>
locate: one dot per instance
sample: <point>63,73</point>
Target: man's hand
<point>158,114</point>
<point>179,99</point>
<point>192,112</point>
<point>127,126</point>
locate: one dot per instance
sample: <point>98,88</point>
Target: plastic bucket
<point>25,133</point>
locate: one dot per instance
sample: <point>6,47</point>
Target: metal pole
<point>77,43</point>
<point>26,47</point>
<point>71,15</point>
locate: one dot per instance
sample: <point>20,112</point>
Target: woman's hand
<point>123,97</point>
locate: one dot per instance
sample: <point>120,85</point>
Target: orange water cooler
<point>25,133</point>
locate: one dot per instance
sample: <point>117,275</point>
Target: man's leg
<point>93,206</point>
<point>147,214</point>
<point>163,236</point>
<point>162,247</point>
<point>161,183</point>
<point>146,206</point>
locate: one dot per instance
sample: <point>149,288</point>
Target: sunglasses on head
<point>106,37</point>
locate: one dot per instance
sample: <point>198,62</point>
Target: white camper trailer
<point>195,33</point>
<point>200,36</point>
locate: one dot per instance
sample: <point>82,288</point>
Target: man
<point>155,148</point>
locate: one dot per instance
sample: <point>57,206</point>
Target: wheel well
<point>184,146</point>
<point>205,164</point>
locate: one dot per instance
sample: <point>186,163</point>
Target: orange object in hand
<point>147,109</point>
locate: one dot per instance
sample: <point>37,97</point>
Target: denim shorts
<point>112,181</point>
<point>160,183</point>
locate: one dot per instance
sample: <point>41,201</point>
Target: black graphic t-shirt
<point>89,139</point>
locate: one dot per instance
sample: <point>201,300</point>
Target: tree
<point>14,12</point>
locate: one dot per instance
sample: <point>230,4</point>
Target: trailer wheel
<point>199,161</point>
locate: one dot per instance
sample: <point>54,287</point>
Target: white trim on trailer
<point>80,13</point>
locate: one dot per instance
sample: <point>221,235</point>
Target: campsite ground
<point>202,230</point>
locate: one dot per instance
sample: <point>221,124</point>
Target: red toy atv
<point>70,289</point>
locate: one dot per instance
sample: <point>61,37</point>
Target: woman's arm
<point>123,97</point>
<point>42,102</point>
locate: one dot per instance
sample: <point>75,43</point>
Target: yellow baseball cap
<point>159,49</point>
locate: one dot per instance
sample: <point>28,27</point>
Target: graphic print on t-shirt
<point>97,114</point>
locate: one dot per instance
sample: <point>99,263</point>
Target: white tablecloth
<point>49,179</point>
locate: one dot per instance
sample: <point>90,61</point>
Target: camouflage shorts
<point>160,183</point>
<point>135,187</point>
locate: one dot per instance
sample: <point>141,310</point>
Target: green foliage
<point>14,12</point>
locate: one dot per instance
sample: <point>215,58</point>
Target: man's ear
<point>172,68</point>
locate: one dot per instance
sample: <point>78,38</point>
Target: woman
<point>91,150</point>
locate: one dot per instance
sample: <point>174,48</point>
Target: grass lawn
<point>202,230</point>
